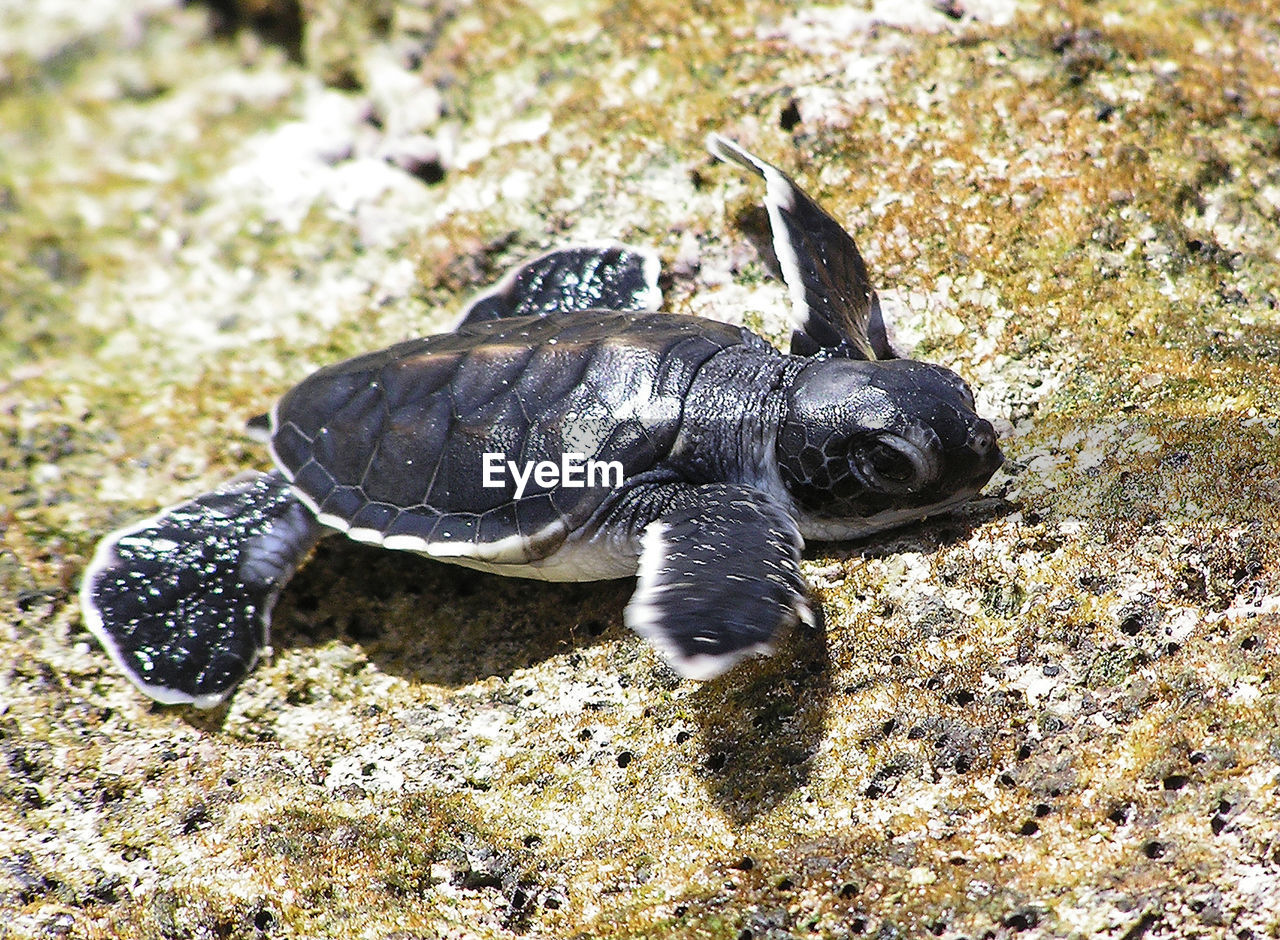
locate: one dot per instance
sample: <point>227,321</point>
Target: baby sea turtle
<point>566,431</point>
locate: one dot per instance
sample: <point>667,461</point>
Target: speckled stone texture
<point>1052,714</point>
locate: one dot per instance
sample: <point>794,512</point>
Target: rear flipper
<point>182,601</point>
<point>719,579</point>
<point>583,277</point>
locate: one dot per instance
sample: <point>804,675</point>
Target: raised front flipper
<point>833,306</point>
<point>719,579</point>
<point>584,277</point>
<point>182,601</point>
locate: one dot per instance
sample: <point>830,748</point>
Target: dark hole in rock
<point>1131,625</point>
<point>790,116</point>
<point>1022,920</point>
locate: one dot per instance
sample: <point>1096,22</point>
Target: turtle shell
<point>390,446</point>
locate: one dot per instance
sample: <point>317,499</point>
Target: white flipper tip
<point>723,148</point>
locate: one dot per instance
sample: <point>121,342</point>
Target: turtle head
<point>865,446</point>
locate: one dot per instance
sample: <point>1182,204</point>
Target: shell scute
<point>535,515</point>
<point>417,523</point>
<point>341,462</point>
<point>344,502</point>
<point>376,517</point>
<point>498,523</point>
<point>291,448</point>
<point>311,478</point>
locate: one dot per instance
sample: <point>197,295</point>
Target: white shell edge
<point>512,550</point>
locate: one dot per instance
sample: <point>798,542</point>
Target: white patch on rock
<point>326,159</point>
<point>40,30</point>
<point>837,31</point>
<point>406,103</point>
<point>834,24</point>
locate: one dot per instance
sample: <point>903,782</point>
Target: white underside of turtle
<point>729,454</point>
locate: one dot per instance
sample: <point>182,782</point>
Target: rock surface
<point>1053,714</point>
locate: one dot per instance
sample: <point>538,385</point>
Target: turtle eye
<point>890,464</point>
<point>895,465</point>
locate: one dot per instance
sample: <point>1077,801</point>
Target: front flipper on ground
<point>719,579</point>
<point>182,600</point>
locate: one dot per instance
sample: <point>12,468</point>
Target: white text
<point>573,470</point>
